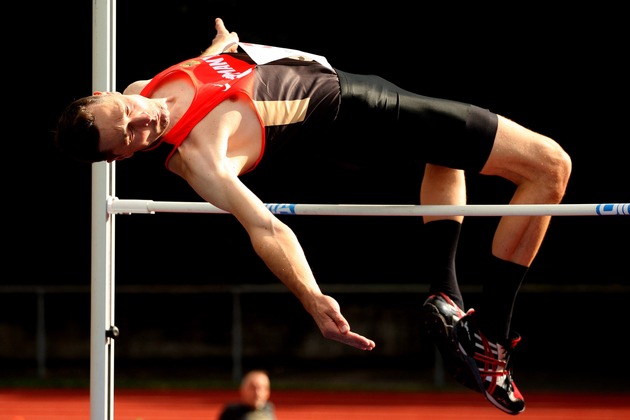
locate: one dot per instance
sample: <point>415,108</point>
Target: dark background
<point>562,72</point>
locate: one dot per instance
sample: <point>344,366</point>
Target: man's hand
<point>334,326</point>
<point>223,41</point>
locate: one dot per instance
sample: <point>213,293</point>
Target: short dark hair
<point>76,135</point>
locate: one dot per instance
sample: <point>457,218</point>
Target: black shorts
<point>379,123</point>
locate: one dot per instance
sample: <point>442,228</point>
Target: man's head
<point>76,134</point>
<point>255,388</point>
<point>110,126</point>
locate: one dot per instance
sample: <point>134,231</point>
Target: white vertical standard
<point>102,328</point>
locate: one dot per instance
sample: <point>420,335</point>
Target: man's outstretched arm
<point>224,41</point>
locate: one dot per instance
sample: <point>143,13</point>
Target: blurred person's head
<point>255,388</point>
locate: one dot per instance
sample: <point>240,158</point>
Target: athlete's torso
<point>289,95</point>
<point>214,79</point>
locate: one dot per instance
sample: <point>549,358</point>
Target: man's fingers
<point>357,341</point>
<point>348,337</point>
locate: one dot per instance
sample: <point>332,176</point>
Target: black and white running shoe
<point>439,315</point>
<point>489,363</point>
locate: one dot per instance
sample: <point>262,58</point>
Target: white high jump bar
<point>118,206</point>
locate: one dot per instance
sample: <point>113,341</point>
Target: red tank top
<point>215,78</point>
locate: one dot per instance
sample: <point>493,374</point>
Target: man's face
<point>255,390</point>
<point>129,123</point>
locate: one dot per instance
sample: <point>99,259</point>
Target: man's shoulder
<point>236,407</point>
<point>136,87</point>
<point>234,411</point>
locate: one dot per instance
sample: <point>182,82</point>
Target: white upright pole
<point>102,327</point>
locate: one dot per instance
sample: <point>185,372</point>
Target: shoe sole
<point>438,331</point>
<point>434,323</point>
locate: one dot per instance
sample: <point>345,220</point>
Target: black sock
<point>500,287</point>
<point>438,261</point>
